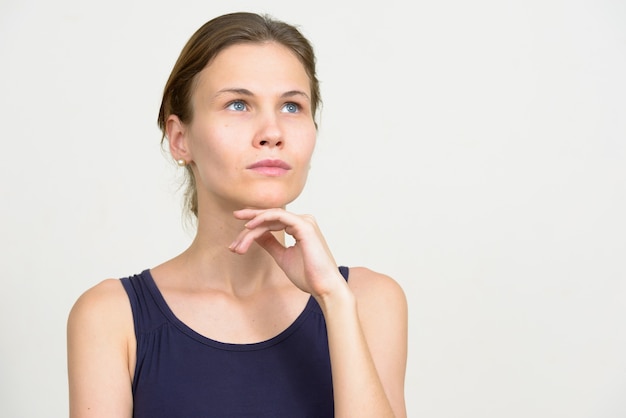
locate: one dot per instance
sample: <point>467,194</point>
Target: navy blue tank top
<point>182,374</point>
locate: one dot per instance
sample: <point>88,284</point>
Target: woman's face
<point>252,135</point>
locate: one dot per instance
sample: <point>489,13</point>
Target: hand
<point>309,263</point>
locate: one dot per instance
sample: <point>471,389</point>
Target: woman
<point>239,325</point>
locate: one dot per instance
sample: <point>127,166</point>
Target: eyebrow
<point>292,93</point>
<point>246,92</point>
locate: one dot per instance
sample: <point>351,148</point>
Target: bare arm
<point>100,340</point>
<point>367,332</point>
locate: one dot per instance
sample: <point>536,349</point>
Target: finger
<point>272,216</point>
<point>256,217</point>
<point>246,237</point>
<point>269,242</point>
<point>246,214</point>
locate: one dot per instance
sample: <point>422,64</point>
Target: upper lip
<point>270,163</point>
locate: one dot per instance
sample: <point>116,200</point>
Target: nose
<point>269,133</point>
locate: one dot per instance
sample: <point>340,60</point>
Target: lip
<point>270,167</point>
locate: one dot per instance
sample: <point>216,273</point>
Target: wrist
<point>338,298</point>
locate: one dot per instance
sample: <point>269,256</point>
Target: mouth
<point>270,168</point>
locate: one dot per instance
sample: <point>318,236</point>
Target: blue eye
<point>237,105</point>
<point>291,108</point>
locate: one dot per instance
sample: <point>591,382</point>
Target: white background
<point>475,151</point>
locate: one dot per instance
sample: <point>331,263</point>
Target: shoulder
<point>374,288</point>
<point>105,305</point>
<point>107,293</point>
<point>100,327</point>
<point>381,305</point>
<point>100,349</point>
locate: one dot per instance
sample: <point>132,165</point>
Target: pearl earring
<point>181,162</point>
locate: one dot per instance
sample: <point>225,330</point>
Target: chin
<point>270,201</point>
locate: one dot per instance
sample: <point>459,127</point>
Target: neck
<point>209,263</point>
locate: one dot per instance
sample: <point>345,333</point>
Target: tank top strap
<point>147,315</point>
<point>345,272</point>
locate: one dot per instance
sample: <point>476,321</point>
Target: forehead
<point>258,67</point>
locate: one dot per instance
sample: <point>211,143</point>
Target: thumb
<point>270,244</point>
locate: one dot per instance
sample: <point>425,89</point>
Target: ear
<point>177,138</point>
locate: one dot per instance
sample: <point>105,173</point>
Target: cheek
<point>210,144</point>
<point>305,136</point>
<point>310,141</point>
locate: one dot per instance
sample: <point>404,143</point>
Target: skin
<point>237,282</point>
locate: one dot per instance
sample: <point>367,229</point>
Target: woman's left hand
<point>308,263</point>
